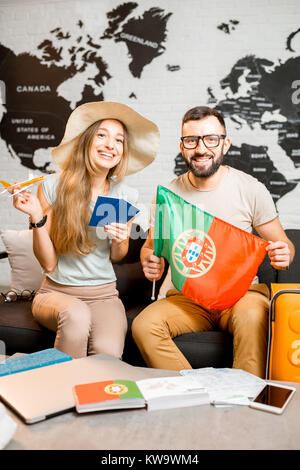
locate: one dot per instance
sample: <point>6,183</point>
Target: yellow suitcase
<point>283,359</point>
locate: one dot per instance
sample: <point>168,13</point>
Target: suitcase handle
<point>272,319</point>
<point>274,298</point>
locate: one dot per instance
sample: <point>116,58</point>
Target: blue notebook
<point>110,209</point>
<point>46,357</point>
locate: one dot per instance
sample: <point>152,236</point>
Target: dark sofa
<point>21,333</point>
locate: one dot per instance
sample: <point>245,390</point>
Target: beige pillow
<point>26,272</point>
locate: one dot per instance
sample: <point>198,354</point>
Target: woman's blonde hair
<point>71,209</point>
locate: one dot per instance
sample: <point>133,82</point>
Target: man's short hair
<point>201,112</point>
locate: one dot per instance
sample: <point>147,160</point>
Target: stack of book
<point>156,393</point>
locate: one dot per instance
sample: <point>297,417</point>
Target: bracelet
<point>39,224</point>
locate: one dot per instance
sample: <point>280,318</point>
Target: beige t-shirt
<point>240,199</point>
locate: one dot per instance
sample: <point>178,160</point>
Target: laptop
<point>45,392</point>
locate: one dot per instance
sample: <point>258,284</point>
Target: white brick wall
<point>205,55</point>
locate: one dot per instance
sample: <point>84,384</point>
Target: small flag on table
<point>212,262</point>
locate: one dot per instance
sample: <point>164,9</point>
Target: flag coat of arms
<point>212,262</point>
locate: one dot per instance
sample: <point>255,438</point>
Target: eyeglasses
<point>210,141</point>
<point>12,295</point>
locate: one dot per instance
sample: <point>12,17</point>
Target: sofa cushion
<point>26,272</point>
<point>206,348</point>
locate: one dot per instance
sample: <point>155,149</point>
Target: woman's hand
<point>118,232</point>
<point>27,202</point>
<point>119,235</point>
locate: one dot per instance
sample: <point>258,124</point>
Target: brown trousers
<point>154,328</point>
<point>87,319</point>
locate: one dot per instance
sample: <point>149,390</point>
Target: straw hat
<point>143,135</point>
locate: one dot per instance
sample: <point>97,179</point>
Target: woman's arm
<point>36,207</point>
<point>42,245</point>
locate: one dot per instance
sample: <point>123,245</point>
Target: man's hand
<point>279,254</point>
<point>153,267</point>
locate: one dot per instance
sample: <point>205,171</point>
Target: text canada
<point>33,88</point>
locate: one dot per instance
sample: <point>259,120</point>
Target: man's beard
<point>204,172</point>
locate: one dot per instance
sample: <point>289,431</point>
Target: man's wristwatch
<point>38,224</point>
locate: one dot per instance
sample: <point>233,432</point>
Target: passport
<point>110,209</point>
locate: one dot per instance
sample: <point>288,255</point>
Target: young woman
<point>78,299</point>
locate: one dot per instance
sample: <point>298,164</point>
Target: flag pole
<point>153,291</point>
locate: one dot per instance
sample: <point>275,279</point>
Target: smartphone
<point>273,398</point>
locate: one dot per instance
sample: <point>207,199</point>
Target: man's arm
<point>281,250</point>
<point>153,266</point>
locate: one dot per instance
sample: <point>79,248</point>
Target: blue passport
<point>110,209</point>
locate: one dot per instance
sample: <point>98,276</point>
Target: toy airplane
<point>23,184</point>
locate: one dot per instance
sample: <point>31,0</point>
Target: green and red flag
<point>212,262</point>
<point>97,395</point>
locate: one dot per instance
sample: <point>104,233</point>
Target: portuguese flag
<point>212,262</point>
<point>108,394</point>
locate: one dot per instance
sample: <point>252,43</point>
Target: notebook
<point>41,393</point>
<point>21,362</point>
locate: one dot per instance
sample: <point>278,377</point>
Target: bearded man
<point>239,199</point>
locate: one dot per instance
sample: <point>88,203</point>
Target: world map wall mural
<point>150,48</point>
<point>35,110</point>
<point>268,90</point>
